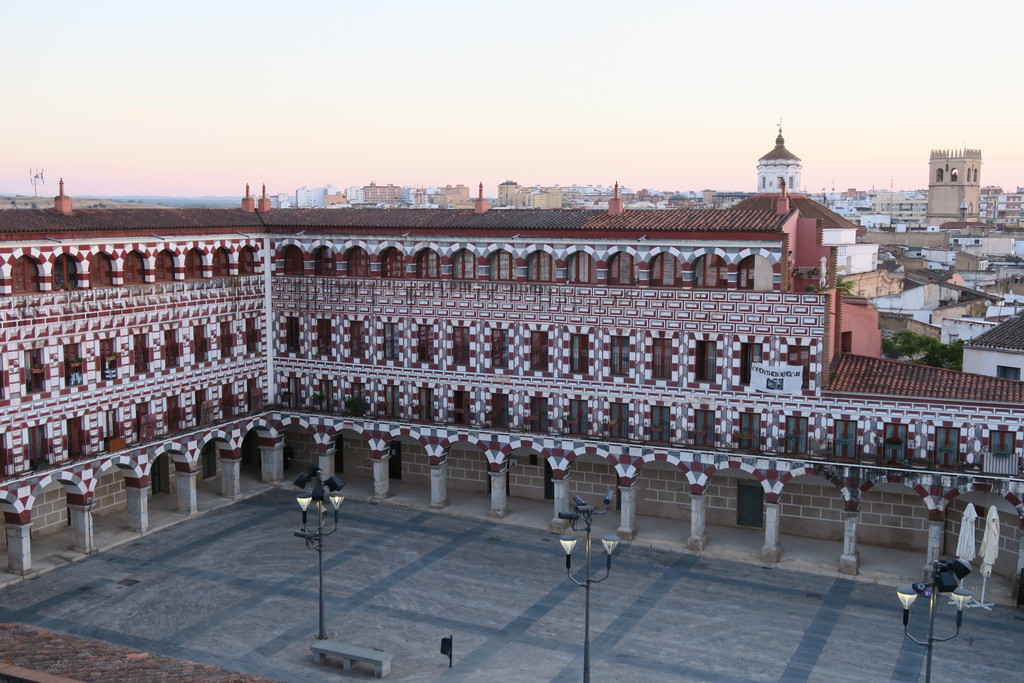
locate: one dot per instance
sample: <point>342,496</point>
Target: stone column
<point>138,507</point>
<point>698,540</point>
<point>627,513</point>
<point>1020,555</point>
<point>272,463</point>
<point>325,462</point>
<point>499,499</point>
<point>230,481</point>
<point>771,550</point>
<point>849,561</point>
<point>19,547</point>
<point>439,485</point>
<point>186,492</point>
<point>561,496</point>
<point>381,482</point>
<point>80,517</point>
<point>934,546</point>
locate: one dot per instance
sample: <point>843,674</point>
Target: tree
<point>917,348</point>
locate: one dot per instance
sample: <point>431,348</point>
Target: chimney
<point>264,203</point>
<point>62,203</point>
<point>248,203</point>
<point>782,203</point>
<point>616,207</point>
<point>480,204</point>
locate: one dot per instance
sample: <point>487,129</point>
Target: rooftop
<point>18,224</point>
<point>1007,335</point>
<point>884,377</point>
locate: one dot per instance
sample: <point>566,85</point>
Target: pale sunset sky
<point>198,98</point>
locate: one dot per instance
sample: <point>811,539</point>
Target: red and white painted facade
<point>620,343</point>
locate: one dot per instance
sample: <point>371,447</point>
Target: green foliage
<point>356,405</point>
<point>917,348</point>
<point>844,286</point>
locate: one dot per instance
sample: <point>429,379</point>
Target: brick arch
<point>128,463</point>
<point>218,436</point>
<point>74,483</point>
<point>569,250</point>
<point>13,507</point>
<point>450,250</point>
<point>771,257</point>
<point>179,455</point>
<point>263,426</point>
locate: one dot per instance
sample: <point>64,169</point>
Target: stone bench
<point>350,654</point>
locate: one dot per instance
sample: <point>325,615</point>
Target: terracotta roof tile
<point>808,209</point>
<point>1008,334</point>
<point>17,223</point>
<point>884,377</point>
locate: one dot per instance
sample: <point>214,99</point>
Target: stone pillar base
<point>558,526</point>
<point>498,514</point>
<point>439,505</point>
<point>849,564</point>
<point>626,534</point>
<point>770,554</point>
<point>697,543</point>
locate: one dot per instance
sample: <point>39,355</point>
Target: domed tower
<point>778,165</point>
<point>953,185</point>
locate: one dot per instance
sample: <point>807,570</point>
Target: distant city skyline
<point>125,99</point>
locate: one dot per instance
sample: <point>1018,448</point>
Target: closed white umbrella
<point>965,545</point>
<point>990,542</point>
<point>989,551</point>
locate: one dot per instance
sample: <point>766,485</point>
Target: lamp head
<point>304,499</point>
<point>302,480</point>
<point>961,597</point>
<point>609,497</point>
<point>578,501</point>
<point>568,543</point>
<point>336,499</point>
<point>959,568</point>
<point>907,596</point>
<point>609,543</point>
<point>335,483</point>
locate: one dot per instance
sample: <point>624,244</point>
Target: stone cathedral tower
<point>953,185</point>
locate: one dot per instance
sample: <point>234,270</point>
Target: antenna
<point>35,176</point>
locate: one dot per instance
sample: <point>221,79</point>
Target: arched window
<point>578,268</point>
<point>323,261</point>
<point>392,263</point>
<point>464,265</point>
<point>665,271</point>
<point>65,272</point>
<point>710,271</point>
<point>164,270</point>
<point>620,269</point>
<point>25,275</point>
<point>501,265</point>
<point>358,262</point>
<point>953,175</point>
<point>938,175</point>
<point>101,272</point>
<point>975,175</point>
<point>292,261</point>
<point>134,268</point>
<point>428,265</point>
<point>539,267</point>
<point>193,264</point>
<point>221,263</point>
<point>246,261</point>
<point>745,274</point>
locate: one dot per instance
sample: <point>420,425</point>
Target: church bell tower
<point>953,185</point>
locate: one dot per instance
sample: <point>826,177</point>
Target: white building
<point>777,166</point>
<point>998,352</point>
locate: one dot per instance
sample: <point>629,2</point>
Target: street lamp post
<point>586,513</point>
<point>946,575</point>
<point>315,536</point>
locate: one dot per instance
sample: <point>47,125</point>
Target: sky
<point>199,98</point>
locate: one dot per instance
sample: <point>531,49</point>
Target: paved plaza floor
<point>235,589</point>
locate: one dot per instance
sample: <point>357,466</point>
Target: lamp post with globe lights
<point>946,576</point>
<point>585,513</point>
<point>314,535</point>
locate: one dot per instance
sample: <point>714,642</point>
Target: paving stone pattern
<point>234,589</point>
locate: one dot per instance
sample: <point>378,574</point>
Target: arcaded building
<point>701,363</point>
